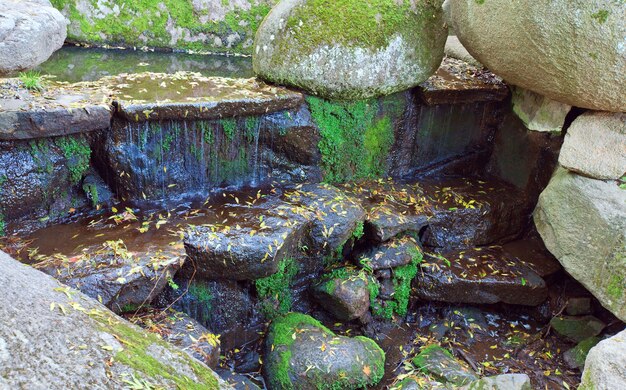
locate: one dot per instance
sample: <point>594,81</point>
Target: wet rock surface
<point>51,331</point>
<point>577,329</point>
<point>501,382</point>
<point>479,275</point>
<point>302,353</point>
<point>390,254</point>
<point>344,294</point>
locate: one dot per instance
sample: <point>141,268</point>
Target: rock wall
<point>197,25</point>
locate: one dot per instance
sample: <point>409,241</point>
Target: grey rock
<point>455,49</point>
<point>54,337</point>
<point>29,33</point>
<point>595,145</point>
<point>391,254</point>
<point>530,45</point>
<point>575,357</point>
<point>538,112</point>
<point>578,306</point>
<point>583,223</point>
<point>577,329</point>
<point>301,46</point>
<point>604,367</point>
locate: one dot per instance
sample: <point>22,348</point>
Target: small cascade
<point>174,157</point>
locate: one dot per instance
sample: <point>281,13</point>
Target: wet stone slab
<point>484,275</point>
<point>186,95</point>
<point>59,109</point>
<point>457,82</point>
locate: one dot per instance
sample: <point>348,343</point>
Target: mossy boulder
<point>344,293</point>
<point>439,362</point>
<point>604,366</point>
<point>301,353</point>
<point>350,50</point>
<point>577,329</point>
<point>571,51</point>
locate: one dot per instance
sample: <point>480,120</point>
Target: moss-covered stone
<point>346,49</point>
<point>205,25</point>
<point>439,362</point>
<point>301,353</point>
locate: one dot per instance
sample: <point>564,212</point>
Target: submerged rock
<point>538,112</point>
<point>300,353</point>
<point>350,49</point>
<point>440,363</point>
<point>530,44</point>
<point>54,337</point>
<point>344,294</point>
<point>577,329</point>
<point>30,31</point>
<point>479,275</point>
<point>595,145</point>
<point>604,367</point>
<point>583,223</point>
<point>500,382</point>
<point>575,357</point>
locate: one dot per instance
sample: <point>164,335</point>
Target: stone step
<point>481,275</point>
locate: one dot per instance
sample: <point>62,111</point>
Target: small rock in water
<point>440,363</point>
<point>575,357</point>
<point>302,353</point>
<point>578,306</point>
<point>500,382</point>
<point>577,328</point>
<point>391,254</point>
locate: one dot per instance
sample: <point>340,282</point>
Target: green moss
<point>402,278</point>
<point>601,16</point>
<point>275,290</point>
<point>343,22</point>
<point>2,226</point>
<point>358,230</point>
<point>615,288</point>
<point>77,152</point>
<point>354,143</point>
<point>423,359</point>
<point>135,355</point>
<point>92,190</point>
<point>201,293</point>
<point>580,351</point>
<point>229,126</point>
<point>280,336</point>
<point>145,23</point>
<point>481,2</point>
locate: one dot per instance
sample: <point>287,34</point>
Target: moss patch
<point>77,152</point>
<point>354,143</point>
<point>615,288</point>
<point>275,290</point>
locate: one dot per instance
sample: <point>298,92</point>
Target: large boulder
<point>349,49</point>
<point>583,223</point>
<point>595,145</point>
<point>30,31</point>
<point>604,367</point>
<point>571,51</point>
<point>301,353</point>
<point>54,337</point>
<point>538,112</point>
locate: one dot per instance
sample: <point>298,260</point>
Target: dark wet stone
<point>501,382</point>
<point>346,296</point>
<point>387,289</point>
<point>185,95</point>
<point>578,306</point>
<point>293,134</point>
<point>120,279</point>
<point>440,363</point>
<point>390,254</point>
<point>457,82</point>
<point>250,245</point>
<point>534,254</point>
<point>336,216</point>
<point>58,110</point>
<point>577,329</point>
<point>479,275</point>
<point>238,381</point>
<point>575,357</point>
<point>301,352</point>
<point>96,190</point>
